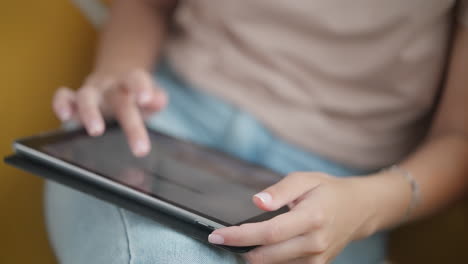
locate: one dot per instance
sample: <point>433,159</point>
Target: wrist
<point>389,196</point>
<point>367,207</point>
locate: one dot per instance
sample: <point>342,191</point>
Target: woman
<point>322,91</point>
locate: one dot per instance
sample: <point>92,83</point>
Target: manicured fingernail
<point>64,115</point>
<point>216,239</point>
<point>264,197</point>
<point>96,128</point>
<point>141,148</point>
<point>144,98</point>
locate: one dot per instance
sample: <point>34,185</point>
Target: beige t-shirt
<point>354,81</point>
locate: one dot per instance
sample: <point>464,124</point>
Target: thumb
<point>287,190</point>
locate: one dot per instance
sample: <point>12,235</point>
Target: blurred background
<point>46,44</point>
<point>43,44</point>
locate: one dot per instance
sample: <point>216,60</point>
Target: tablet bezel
<point>31,147</point>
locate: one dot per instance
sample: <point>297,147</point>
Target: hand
<point>326,213</point>
<point>128,98</point>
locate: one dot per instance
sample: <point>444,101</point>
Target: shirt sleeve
<point>462,12</point>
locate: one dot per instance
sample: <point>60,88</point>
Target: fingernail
<point>141,148</point>
<point>96,128</point>
<point>145,97</point>
<point>264,197</point>
<point>64,115</point>
<point>216,239</point>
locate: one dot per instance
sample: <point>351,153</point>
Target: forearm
<point>440,164</point>
<point>133,36</point>
<point>440,168</point>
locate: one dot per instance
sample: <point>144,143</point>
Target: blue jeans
<point>83,229</point>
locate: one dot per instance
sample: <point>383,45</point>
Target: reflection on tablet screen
<point>203,180</point>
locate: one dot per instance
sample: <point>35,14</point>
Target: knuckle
<point>100,82</point>
<point>316,245</point>
<point>320,244</point>
<point>273,234</point>
<point>61,94</point>
<point>119,98</point>
<point>144,75</point>
<point>135,77</point>
<point>317,260</point>
<point>318,219</point>
<point>117,101</point>
<point>255,257</point>
<point>83,93</point>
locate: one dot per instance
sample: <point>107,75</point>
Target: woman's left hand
<point>326,213</point>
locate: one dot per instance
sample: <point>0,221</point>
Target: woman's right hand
<point>128,98</point>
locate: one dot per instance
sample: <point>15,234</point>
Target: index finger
<point>129,117</point>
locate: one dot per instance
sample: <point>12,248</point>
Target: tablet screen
<point>207,182</point>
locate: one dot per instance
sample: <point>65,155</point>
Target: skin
<point>326,212</point>
<point>120,85</point>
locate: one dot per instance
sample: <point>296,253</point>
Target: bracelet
<point>415,190</point>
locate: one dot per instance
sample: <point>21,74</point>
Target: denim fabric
<point>83,229</point>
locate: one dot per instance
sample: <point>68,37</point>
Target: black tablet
<point>191,182</point>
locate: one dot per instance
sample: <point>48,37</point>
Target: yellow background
<point>45,44</point>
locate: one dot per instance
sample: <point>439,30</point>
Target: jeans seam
<point>127,236</point>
